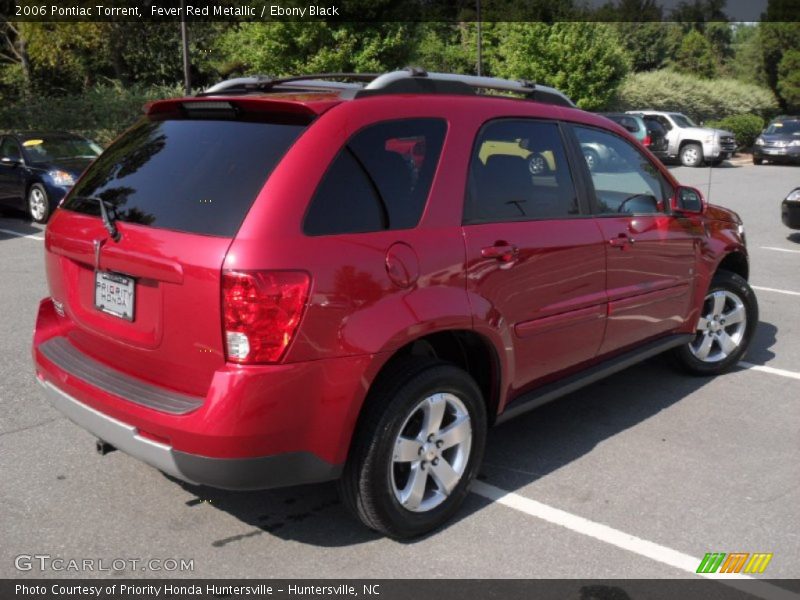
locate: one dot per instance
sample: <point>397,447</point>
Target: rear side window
<point>380,179</point>
<point>519,172</point>
<point>198,176</point>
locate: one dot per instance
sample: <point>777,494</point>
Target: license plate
<point>114,294</point>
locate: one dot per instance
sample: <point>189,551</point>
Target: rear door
<point>11,171</point>
<point>535,261</point>
<point>179,188</point>
<point>650,252</point>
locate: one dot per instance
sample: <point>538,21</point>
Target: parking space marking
<point>770,370</point>
<point>626,541</point>
<point>779,249</point>
<point>22,235</point>
<point>776,290</point>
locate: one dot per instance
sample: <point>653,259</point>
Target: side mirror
<point>10,162</point>
<point>688,200</point>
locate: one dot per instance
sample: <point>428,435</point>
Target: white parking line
<point>626,541</point>
<point>22,235</point>
<point>770,370</point>
<point>776,290</point>
<point>779,249</point>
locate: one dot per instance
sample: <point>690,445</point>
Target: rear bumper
<point>255,427</point>
<point>228,473</point>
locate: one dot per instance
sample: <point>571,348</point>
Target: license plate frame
<point>115,294</point>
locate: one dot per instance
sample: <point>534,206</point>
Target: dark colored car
<point>790,209</point>
<point>779,142</point>
<point>658,138</point>
<point>286,281</point>
<point>37,168</point>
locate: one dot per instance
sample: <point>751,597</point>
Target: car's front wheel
<point>727,322</point>
<point>38,203</point>
<point>416,449</point>
<point>692,155</point>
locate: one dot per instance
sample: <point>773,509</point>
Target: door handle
<point>621,241</point>
<point>502,252</point>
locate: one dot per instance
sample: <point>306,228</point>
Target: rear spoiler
<point>233,106</point>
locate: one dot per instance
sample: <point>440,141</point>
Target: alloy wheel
<point>38,204</point>
<point>721,327</point>
<point>431,452</point>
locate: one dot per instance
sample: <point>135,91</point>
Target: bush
<point>745,127</point>
<point>701,99</point>
<point>101,113</point>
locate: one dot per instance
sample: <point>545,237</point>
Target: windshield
<point>784,127</point>
<point>198,176</point>
<point>682,120</point>
<point>48,149</point>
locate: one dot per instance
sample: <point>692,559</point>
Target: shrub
<point>701,99</point>
<point>100,113</point>
<point>745,127</point>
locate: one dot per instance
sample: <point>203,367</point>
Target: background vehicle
<point>254,289</point>
<point>692,144</point>
<point>659,145</point>
<point>779,142</point>
<point>37,168</point>
<point>790,209</point>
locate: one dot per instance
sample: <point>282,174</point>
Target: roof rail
<point>410,80</point>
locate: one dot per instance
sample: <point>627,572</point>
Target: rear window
<point>380,180</point>
<point>198,176</point>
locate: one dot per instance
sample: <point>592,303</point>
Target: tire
<point>592,159</point>
<point>38,204</point>
<point>692,155</point>
<point>757,161</point>
<point>728,297</point>
<point>377,484</point>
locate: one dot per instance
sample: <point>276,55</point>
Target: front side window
<point>625,181</point>
<point>380,179</point>
<point>519,172</point>
<point>682,120</point>
<point>55,147</point>
<point>10,149</point>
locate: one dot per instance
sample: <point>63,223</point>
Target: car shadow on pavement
<point>794,237</point>
<point>21,227</point>
<point>521,451</point>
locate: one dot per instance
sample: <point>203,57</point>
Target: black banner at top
<point>398,10</point>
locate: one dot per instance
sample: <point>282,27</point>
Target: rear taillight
<point>647,141</point>
<point>260,313</point>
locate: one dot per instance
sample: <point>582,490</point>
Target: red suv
<point>291,281</point>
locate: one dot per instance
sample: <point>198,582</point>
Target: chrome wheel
<point>721,327</point>
<point>591,159</point>
<point>691,156</point>
<point>37,204</point>
<point>537,165</point>
<point>431,452</point>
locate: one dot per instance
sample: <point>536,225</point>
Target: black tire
<point>691,155</point>
<point>38,203</point>
<point>731,283</point>
<point>757,161</point>
<point>366,485</point>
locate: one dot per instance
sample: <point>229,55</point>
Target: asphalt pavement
<point>637,476</point>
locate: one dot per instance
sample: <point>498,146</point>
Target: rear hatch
<point>177,186</point>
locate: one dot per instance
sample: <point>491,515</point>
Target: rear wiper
<point>108,222</point>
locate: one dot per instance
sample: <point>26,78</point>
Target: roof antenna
<point>708,193</point>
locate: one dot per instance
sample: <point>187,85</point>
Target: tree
<point>779,34</point>
<point>584,60</point>
<point>695,56</point>
<point>789,79</point>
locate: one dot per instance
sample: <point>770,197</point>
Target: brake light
<point>260,313</point>
<point>647,141</point>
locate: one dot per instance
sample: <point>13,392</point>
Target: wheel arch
<point>735,262</point>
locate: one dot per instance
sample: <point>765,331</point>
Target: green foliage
<point>745,127</point>
<point>291,47</point>
<point>747,63</point>
<point>699,98</point>
<point>584,60</point>
<point>789,79</point>
<point>100,113</point>
<point>778,39</point>
<point>696,56</point>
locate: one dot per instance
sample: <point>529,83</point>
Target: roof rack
<point>410,80</point>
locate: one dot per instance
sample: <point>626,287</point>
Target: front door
<point>650,252</point>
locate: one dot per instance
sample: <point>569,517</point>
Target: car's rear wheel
<point>692,155</point>
<point>728,319</point>
<point>38,203</point>
<point>416,449</point>
<point>592,159</point>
